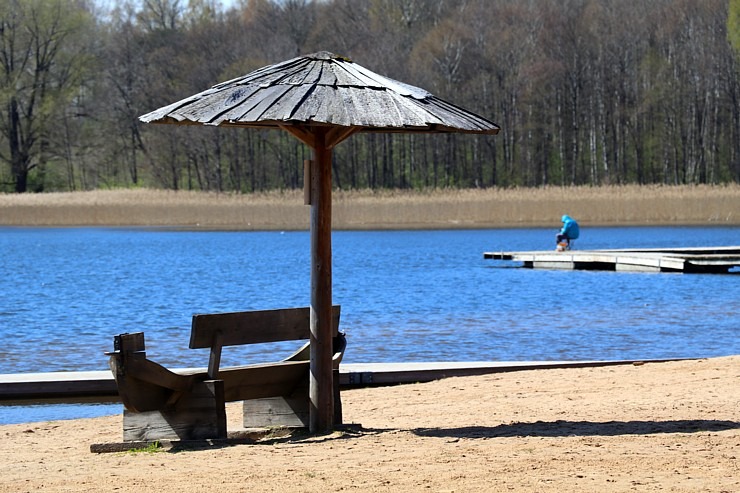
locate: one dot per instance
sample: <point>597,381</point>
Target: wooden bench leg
<point>337,400</point>
<point>287,410</point>
<point>198,415</point>
<point>291,411</point>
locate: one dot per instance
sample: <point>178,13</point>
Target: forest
<point>586,92</point>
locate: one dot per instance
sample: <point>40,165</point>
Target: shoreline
<point>382,210</point>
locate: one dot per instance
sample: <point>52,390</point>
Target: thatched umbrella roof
<point>321,99</point>
<point>321,89</point>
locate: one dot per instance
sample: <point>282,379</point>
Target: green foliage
<point>151,448</point>
<point>43,65</point>
<point>733,26</point>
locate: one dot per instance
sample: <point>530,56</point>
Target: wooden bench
<point>161,404</point>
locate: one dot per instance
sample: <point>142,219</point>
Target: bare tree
<point>585,91</point>
<point>42,71</point>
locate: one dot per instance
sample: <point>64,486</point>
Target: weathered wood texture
<point>320,388</point>
<point>162,404</point>
<point>252,327</point>
<point>288,410</point>
<point>144,385</point>
<point>199,414</point>
<point>321,89</point>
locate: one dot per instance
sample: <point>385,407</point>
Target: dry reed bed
<point>284,210</point>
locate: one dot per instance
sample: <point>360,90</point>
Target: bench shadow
<point>564,428</point>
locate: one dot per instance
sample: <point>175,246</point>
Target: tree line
<point>585,91</point>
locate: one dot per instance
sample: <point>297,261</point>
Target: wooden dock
<point>708,260</point>
<point>99,386</point>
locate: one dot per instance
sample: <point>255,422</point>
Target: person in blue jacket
<point>569,231</point>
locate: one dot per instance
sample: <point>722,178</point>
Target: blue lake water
<point>405,296</point>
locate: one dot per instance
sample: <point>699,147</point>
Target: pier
<point>706,260</point>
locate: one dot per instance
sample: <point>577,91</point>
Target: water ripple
<point>405,295</point>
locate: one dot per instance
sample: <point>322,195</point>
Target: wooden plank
<point>292,99</point>
<point>565,265</point>
<point>198,415</point>
<point>59,386</point>
<point>712,259</point>
<point>239,438</point>
<point>99,386</point>
<point>129,342</point>
<point>726,250</point>
<point>371,374</point>
<point>264,380</point>
<point>287,411</point>
<point>313,71</point>
<point>266,98</point>
<point>214,361</point>
<point>222,105</point>
<point>276,411</point>
<point>149,371</point>
<point>636,268</point>
<point>145,385</point>
<point>255,326</point>
<point>329,108</point>
<point>650,261</point>
<point>638,261</point>
<point>706,259</point>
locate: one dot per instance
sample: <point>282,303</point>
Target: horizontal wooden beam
<point>337,135</point>
<point>99,386</point>
<point>253,327</point>
<point>300,133</point>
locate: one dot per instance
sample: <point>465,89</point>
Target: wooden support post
<point>307,182</point>
<point>321,388</point>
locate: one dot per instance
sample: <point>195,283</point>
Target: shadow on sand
<point>580,428</point>
<point>537,429</point>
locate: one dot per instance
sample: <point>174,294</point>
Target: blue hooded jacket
<point>570,227</point>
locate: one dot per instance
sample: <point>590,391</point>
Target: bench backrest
<point>231,329</point>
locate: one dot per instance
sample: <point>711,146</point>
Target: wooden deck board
<point>99,386</point>
<point>717,260</point>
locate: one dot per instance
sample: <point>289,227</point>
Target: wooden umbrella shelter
<point>321,99</point>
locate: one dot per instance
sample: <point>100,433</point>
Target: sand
<point>655,427</point>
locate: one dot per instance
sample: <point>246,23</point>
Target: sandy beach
<point>671,426</point>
